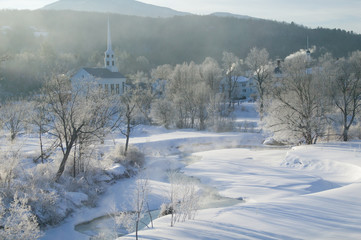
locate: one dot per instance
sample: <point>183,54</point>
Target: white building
<point>244,88</point>
<point>109,78</point>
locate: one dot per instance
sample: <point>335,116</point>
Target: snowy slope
<point>315,197</point>
<point>305,192</point>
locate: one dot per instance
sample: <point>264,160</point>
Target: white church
<point>108,78</point>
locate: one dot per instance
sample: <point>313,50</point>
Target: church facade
<point>108,77</point>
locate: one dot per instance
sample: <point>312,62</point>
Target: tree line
<point>39,39</point>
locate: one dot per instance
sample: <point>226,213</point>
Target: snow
<point>303,192</point>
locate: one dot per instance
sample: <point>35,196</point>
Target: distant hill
<point>126,7</point>
<point>226,14</point>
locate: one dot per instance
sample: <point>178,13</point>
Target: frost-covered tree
<point>39,119</point>
<point>9,164</point>
<point>232,67</point>
<point>258,63</point>
<point>181,89</point>
<point>17,221</point>
<point>345,88</point>
<point>77,112</point>
<point>13,116</point>
<point>139,207</point>
<point>163,112</point>
<point>211,73</point>
<point>128,115</point>
<point>145,93</point>
<point>183,196</point>
<point>297,110</point>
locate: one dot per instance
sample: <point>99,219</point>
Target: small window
<point>107,55</point>
<point>243,84</point>
<point>123,87</point>
<point>244,90</point>
<point>106,86</point>
<point>113,63</point>
<point>117,88</point>
<point>112,55</point>
<point>107,63</point>
<point>112,88</point>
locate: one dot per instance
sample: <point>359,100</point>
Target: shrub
<point>18,221</point>
<point>133,159</point>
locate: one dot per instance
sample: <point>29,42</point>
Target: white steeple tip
<point>109,43</point>
<point>109,59</point>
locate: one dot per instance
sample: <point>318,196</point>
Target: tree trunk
<point>345,134</point>
<point>41,145</point>
<point>127,137</point>
<point>136,227</point>
<point>62,164</point>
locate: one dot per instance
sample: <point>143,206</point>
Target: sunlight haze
<point>318,13</point>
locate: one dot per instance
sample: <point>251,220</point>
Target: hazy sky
<point>344,14</point>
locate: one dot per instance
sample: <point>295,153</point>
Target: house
<point>244,88</point>
<point>108,77</point>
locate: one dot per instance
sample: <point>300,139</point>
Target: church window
<point>117,88</point>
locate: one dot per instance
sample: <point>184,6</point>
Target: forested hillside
<point>45,42</point>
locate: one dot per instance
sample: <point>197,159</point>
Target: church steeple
<point>109,59</point>
<point>308,53</point>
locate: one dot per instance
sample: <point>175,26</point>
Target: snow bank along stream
<point>209,198</point>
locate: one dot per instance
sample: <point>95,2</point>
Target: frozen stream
<point>210,198</point>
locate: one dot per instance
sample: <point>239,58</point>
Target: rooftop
<point>103,73</point>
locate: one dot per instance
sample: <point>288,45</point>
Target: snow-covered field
<point>304,192</point>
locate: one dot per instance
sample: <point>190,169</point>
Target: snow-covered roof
<point>241,79</point>
<point>103,73</point>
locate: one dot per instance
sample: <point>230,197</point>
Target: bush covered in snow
<point>132,160</point>
<point>17,221</point>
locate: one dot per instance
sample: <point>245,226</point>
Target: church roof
<point>103,73</point>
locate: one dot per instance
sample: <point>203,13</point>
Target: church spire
<point>308,52</point>
<point>109,59</point>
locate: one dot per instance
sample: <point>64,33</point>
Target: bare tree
<point>211,74</point>
<point>132,220</point>
<point>297,109</point>
<point>39,118</point>
<point>83,111</point>
<point>145,93</point>
<point>163,112</point>
<point>183,196</point>
<point>258,63</point>
<point>181,91</point>
<point>345,88</point>
<point>13,116</point>
<point>232,67</point>
<point>128,115</point>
